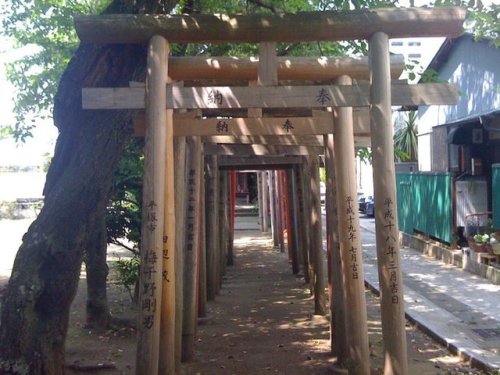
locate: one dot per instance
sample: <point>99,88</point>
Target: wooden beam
<point>268,162</point>
<point>288,68</point>
<point>254,126</point>
<point>260,150</point>
<point>321,96</point>
<point>301,140</point>
<point>181,122</point>
<point>288,27</point>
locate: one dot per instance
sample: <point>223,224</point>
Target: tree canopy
<point>46,27</point>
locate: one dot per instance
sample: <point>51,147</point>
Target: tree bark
<point>44,280</point>
<point>98,316</point>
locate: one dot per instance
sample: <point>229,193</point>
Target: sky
<point>31,152</point>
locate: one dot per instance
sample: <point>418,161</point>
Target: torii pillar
<point>386,221</point>
<point>157,282</point>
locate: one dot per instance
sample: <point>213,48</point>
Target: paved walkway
<point>460,309</point>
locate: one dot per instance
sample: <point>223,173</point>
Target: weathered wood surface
<point>211,223</point>
<point>159,119</point>
<point>320,96</point>
<point>300,140</point>
<point>254,126</point>
<point>260,150</point>
<point>338,311</point>
<point>288,27</point>
<point>361,121</point>
<point>288,68</point>
<point>358,356</point>
<point>181,161</point>
<point>318,281</point>
<point>191,247</point>
<point>386,219</point>
<point>264,162</point>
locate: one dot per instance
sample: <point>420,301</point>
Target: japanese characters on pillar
<point>190,215</point>
<point>352,235</point>
<point>149,303</point>
<point>391,238</point>
<point>166,258</point>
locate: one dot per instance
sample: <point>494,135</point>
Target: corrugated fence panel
<point>425,204</point>
<point>404,194</point>
<point>496,195</point>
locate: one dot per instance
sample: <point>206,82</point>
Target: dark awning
<point>459,136</point>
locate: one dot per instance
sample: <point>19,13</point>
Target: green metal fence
<point>496,195</point>
<point>425,204</point>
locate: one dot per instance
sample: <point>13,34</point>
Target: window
<point>396,44</point>
<point>414,55</point>
<point>414,44</point>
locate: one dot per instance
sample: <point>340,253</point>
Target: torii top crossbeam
<point>289,27</point>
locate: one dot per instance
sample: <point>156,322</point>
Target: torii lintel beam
<point>279,140</point>
<point>269,97</point>
<point>260,150</point>
<point>288,68</point>
<point>285,27</point>
<point>263,162</point>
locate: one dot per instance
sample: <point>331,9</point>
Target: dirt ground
<point>260,323</point>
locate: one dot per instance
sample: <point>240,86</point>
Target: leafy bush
<point>127,274</point>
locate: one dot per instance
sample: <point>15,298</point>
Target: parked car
<point>366,205</point>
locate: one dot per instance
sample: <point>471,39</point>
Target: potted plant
<point>495,243</point>
<point>479,243</point>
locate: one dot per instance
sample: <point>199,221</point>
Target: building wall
<point>474,67</point>
<point>417,51</point>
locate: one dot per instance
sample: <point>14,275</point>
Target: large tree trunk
<point>98,315</point>
<point>46,271</point>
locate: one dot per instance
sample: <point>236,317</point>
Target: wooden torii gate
<point>158,331</point>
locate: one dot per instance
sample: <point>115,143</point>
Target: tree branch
<point>263,4</point>
<point>131,249</point>
<point>288,49</point>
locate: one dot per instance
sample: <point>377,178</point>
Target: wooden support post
<point>233,198</point>
<point>292,227</point>
<point>230,212</point>
<point>202,258</point>
<point>338,338</point>
<point>191,248</point>
<point>223,224</point>
<point>302,189</point>
<point>211,210</point>
<point>259,201</point>
<point>265,200</point>
<point>279,208</point>
<point>180,214</point>
<point>386,221</point>
<point>316,249</point>
<point>158,210</point>
<point>286,214</point>
<point>272,206</point>
<point>358,361</point>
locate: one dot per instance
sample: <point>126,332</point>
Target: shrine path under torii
<point>265,327</point>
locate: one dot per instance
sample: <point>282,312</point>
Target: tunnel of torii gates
<point>205,117</point>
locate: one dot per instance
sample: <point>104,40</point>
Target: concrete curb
<point>422,313</point>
